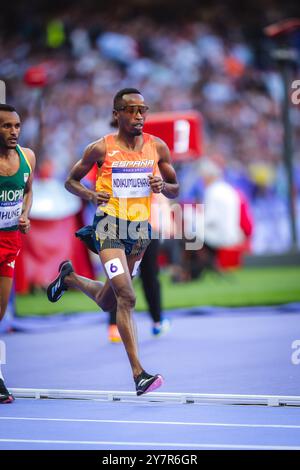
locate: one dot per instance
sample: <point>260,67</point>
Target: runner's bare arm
<point>168,184</point>
<point>94,153</point>
<point>24,222</point>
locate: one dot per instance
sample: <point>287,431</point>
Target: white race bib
<point>114,267</point>
<point>10,212</point>
<point>131,182</point>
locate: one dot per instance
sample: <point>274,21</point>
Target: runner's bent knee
<point>107,303</point>
<point>126,297</point>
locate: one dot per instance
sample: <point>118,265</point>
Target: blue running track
<point>206,351</point>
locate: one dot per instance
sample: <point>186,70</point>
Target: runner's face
<point>9,129</point>
<point>131,114</point>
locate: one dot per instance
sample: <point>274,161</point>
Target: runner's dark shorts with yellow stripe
<point>111,232</point>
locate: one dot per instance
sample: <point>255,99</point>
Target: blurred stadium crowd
<point>230,80</point>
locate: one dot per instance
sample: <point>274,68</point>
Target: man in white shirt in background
<point>222,207</point>
<point>222,216</point>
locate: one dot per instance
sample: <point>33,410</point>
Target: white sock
<point>1,376</point>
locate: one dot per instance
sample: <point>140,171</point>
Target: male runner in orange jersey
<point>126,163</point>
<point>16,167</point>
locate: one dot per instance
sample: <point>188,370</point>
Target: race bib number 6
<point>114,267</point>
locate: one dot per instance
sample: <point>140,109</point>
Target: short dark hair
<point>125,91</point>
<point>7,107</point>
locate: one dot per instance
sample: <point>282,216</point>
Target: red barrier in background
<point>182,132</point>
<point>232,257</point>
<point>48,243</point>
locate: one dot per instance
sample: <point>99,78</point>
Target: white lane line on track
<point>177,445</point>
<point>168,423</point>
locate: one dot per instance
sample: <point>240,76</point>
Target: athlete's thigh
<point>5,290</point>
<point>118,274</point>
<point>130,264</point>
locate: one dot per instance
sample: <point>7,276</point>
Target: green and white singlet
<point>12,194</point>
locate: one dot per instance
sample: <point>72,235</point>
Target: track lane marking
<point>153,444</point>
<point>167,423</point>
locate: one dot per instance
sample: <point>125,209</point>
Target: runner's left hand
<point>156,183</point>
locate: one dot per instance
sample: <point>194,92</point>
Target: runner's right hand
<point>100,198</point>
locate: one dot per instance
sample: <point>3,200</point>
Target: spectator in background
<point>227,222</point>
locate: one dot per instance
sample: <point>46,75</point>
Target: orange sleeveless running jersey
<point>124,175</point>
